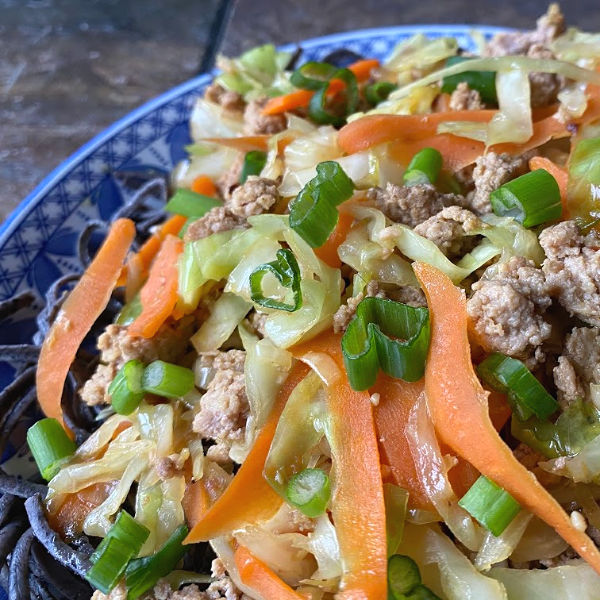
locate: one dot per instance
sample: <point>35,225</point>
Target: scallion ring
<point>379,91</point>
<point>287,272</point>
<point>482,81</point>
<point>167,380</point>
<point>125,390</point>
<point>424,167</point>
<point>404,580</point>
<point>126,529</point>
<point>489,504</point>
<point>309,491</point>
<point>190,204</point>
<point>531,199</point>
<point>526,394</point>
<point>366,346</point>
<point>254,163</point>
<point>50,446</point>
<point>108,569</point>
<point>313,213</point>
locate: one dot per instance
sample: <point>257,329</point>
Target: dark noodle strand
<point>83,243</point>
<point>7,502</point>
<point>18,576</point>
<point>25,353</point>
<point>8,537</point>
<point>37,590</point>
<point>12,305</point>
<point>62,553</point>
<point>20,487</point>
<point>10,420</point>
<point>16,389</point>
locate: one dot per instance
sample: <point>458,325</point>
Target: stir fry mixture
<point>361,356</point>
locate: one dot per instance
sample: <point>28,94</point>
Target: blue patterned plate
<point>37,242</point>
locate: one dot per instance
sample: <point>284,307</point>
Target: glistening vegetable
<point>531,199</point>
<point>50,446</point>
<point>482,81</point>
<point>167,380</point>
<point>492,506</point>
<point>313,213</point>
<point>424,167</point>
<point>404,580</point>
<point>309,491</point>
<point>125,390</point>
<point>254,163</point>
<point>191,204</point>
<point>367,344</point>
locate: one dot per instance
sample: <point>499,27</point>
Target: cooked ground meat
<point>117,347</point>
<point>413,204</point>
<point>217,219</point>
<point>407,294</point>
<point>256,321</point>
<point>449,230</point>
<point>579,365</point>
<point>255,123</point>
<point>572,269</point>
<point>549,26</point>
<point>345,313</point>
<point>230,180</point>
<point>464,98</point>
<point>544,86</point>
<point>172,465</point>
<point>226,98</point>
<point>255,196</point>
<point>224,407</point>
<point>505,311</point>
<point>490,172</point>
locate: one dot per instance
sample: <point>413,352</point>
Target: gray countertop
<point>69,68</point>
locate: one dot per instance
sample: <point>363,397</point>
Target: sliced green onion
<point>366,345</point>
<point>315,76</point>
<point>125,390</point>
<point>531,199</point>
<point>378,92</point>
<point>167,380</point>
<point>403,576</point>
<point>492,506</point>
<point>130,312</point>
<point>108,569</point>
<point>143,573</point>
<point>309,491</point>
<point>525,393</point>
<point>424,167</point>
<point>50,446</point>
<point>190,204</point>
<point>254,163</point>
<point>313,213</point>
<point>396,500</point>
<point>482,81</point>
<point>286,270</point>
<point>128,531</point>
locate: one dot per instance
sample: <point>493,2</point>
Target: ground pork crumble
<point>505,311</point>
<point>117,347</point>
<point>228,99</point>
<point>256,123</point>
<point>411,205</point>
<point>572,269</point>
<point>464,98</point>
<point>224,406</point>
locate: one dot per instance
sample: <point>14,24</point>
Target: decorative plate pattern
<point>37,242</point>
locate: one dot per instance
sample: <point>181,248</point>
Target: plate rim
<point>18,214</point>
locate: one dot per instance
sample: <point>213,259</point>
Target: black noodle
<point>35,563</point>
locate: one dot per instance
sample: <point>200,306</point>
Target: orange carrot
<point>397,398</point>
<point>159,294</point>
<point>204,185</point>
<point>328,252</point>
<point>301,98</point>
<point>357,503</point>
<point>257,576</point>
<point>559,173</point>
<point>195,502</point>
<point>248,499</point>
<point>77,315</point>
<point>459,409</point>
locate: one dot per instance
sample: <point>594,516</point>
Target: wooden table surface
<point>69,68</point>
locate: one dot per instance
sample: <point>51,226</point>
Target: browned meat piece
<point>491,171</point>
<point>449,230</point>
<point>228,99</point>
<point>117,347</point>
<point>345,313</point>
<point>544,86</point>
<point>579,365</point>
<point>255,196</point>
<point>549,26</point>
<point>231,178</point>
<point>214,221</point>
<point>505,312</point>
<point>464,98</point>
<point>255,123</point>
<point>413,204</point>
<point>224,407</point>
<point>572,269</point>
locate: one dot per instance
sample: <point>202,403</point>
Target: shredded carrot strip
<point>159,294</point>
<point>459,410</point>
<point>248,499</point>
<point>77,315</point>
<point>256,575</point>
<point>559,173</point>
<point>301,98</point>
<point>204,185</point>
<point>328,252</point>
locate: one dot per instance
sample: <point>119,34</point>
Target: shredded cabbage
<point>577,47</point>
<point>210,120</point>
<point>432,471</point>
<point>583,467</point>
<point>577,581</point>
<point>539,542</point>
<point>323,544</point>
<point>213,164</point>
